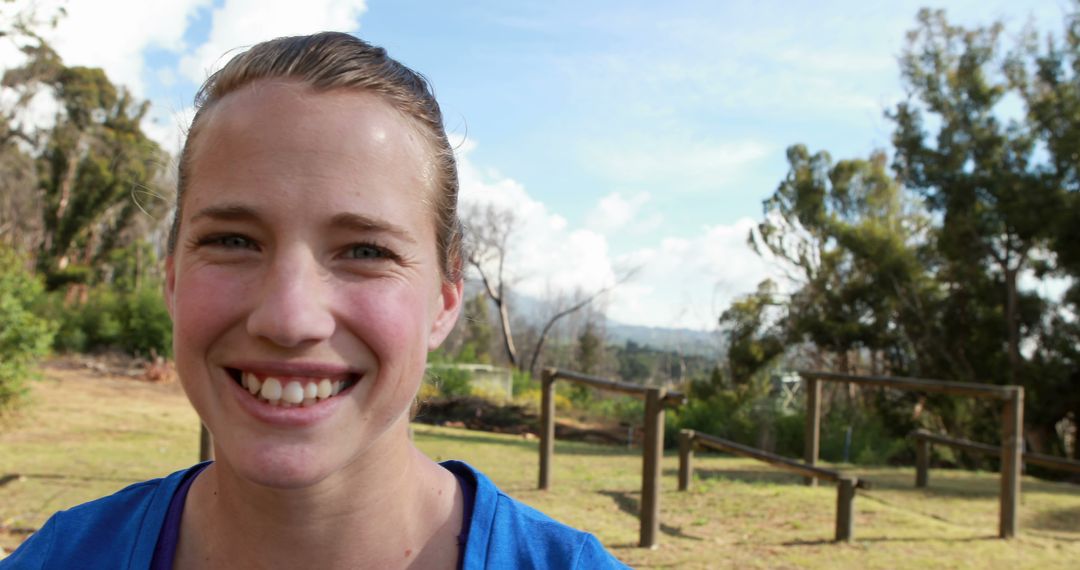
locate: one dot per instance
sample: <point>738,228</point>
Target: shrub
<point>452,382</point>
<point>24,337</point>
<point>135,322</point>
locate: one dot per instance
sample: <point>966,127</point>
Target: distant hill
<point>685,341</point>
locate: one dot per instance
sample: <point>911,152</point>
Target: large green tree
<point>94,166</point>
<point>849,242</point>
<point>981,174</point>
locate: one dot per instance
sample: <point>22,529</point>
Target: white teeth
<point>252,383</point>
<point>271,390</point>
<point>293,393</point>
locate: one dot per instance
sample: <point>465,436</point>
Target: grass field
<point>83,436</point>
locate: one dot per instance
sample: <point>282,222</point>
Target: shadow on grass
<point>477,438</point>
<point>531,445</point>
<point>1067,520</point>
<point>773,476</point>
<point>629,504</point>
<point>885,539</point>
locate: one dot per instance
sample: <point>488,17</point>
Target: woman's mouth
<point>291,391</point>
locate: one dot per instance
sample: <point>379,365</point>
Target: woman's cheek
<point>388,316</point>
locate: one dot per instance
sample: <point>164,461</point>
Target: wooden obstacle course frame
<point>845,488</point>
<point>923,440</point>
<point>1012,426</point>
<point>656,399</point>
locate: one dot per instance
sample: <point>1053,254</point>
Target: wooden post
<point>206,444</point>
<point>845,512</point>
<point>653,452</point>
<point>547,426</point>
<point>1012,450</point>
<point>812,435</point>
<point>686,458</point>
<point>922,462</point>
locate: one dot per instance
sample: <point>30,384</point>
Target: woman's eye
<point>228,241</point>
<point>234,241</point>
<point>367,251</point>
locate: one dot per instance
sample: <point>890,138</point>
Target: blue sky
<point>624,133</point>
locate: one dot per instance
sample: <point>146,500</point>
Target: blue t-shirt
<point>123,530</point>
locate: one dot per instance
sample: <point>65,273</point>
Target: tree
<point>1047,76</point>
<point>590,347</point>
<point>978,172</point>
<point>935,289</point>
<point>91,164</point>
<point>491,230</point>
<point>20,208</point>
<point>848,241</point>
<point>753,341</point>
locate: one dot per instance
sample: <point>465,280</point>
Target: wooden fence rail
<point>656,399</point>
<point>923,440</point>
<point>1012,426</point>
<point>845,488</point>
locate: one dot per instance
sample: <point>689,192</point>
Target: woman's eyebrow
<point>362,223</point>
<point>226,212</point>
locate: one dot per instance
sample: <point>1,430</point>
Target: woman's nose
<point>293,307</point>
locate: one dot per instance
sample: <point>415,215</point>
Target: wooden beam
<point>636,390</point>
<point>1048,461</point>
<point>918,384</point>
<point>653,453</point>
<point>1012,450</point>
<point>686,458</point>
<point>922,462</point>
<point>812,431</point>
<point>780,461</point>
<point>547,426</point>
<point>845,509</point>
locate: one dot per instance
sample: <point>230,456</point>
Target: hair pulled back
<point>330,61</point>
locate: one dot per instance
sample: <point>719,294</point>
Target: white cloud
<point>681,282</point>
<point>615,212</point>
<point>113,34</point>
<point>545,255</point>
<point>241,23</point>
<point>674,164</point>
<point>689,282</point>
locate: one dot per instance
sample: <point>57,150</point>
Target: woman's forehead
<point>291,108</point>
<point>280,136</point>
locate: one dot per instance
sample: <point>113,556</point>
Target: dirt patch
<point>116,365</point>
<point>483,415</point>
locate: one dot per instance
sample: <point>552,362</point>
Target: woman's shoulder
<point>106,532</point>
<point>506,533</point>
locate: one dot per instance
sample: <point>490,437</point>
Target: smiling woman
<point>313,263</point>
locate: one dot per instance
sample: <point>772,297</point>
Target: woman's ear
<point>446,316</point>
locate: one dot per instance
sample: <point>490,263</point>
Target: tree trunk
<point>1013,323</point>
<point>508,335</point>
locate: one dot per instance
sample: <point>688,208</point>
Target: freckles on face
<point>306,239</point>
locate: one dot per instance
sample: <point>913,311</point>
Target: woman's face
<point>306,258</point>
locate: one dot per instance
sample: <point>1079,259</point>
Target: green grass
<point>81,437</point>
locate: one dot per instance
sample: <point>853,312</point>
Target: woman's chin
<point>280,468</point>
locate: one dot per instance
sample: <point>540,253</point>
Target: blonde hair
<point>333,60</point>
